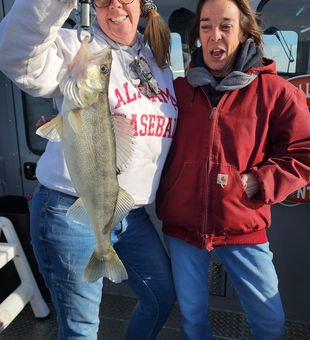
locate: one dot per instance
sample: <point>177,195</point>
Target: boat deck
<point>115,312</point>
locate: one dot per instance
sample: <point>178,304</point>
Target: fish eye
<point>104,69</point>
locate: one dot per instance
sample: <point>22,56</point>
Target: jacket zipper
<point>208,244</point>
<point>207,238</point>
<point>212,112</point>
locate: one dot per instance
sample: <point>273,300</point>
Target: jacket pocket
<point>230,209</point>
<point>179,197</point>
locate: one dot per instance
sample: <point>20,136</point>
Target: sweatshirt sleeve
<point>288,166</point>
<point>34,51</point>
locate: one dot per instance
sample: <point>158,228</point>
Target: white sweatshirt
<point>35,53</point>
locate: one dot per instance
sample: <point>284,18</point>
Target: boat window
<point>180,18</point>
<point>286,29</point>
<point>35,109</point>
<point>179,58</point>
<point>281,46</point>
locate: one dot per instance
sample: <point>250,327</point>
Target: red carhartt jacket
<point>264,129</point>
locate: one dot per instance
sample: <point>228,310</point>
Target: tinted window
<point>180,18</point>
<point>35,109</point>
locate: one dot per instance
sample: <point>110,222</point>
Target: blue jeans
<point>252,274</point>
<point>63,248</point>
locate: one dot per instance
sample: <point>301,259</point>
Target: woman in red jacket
<point>242,143</point>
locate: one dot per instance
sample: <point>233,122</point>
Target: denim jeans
<point>252,274</point>
<point>62,249</point>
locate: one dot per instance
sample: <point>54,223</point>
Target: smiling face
<point>220,35</point>
<point>120,21</point>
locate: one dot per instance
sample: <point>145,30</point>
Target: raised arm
<point>34,51</point>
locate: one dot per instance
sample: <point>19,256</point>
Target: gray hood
<point>249,55</point>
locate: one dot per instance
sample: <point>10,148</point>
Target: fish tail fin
<point>109,266</point>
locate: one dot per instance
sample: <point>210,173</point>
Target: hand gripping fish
<point>97,146</point>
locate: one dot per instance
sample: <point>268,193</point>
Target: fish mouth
<point>217,53</point>
<point>119,20</point>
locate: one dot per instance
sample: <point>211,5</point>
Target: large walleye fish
<point>97,146</point>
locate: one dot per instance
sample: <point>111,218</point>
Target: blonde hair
<point>157,35</point>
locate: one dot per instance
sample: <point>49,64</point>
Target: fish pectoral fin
<point>124,140</point>
<point>77,212</point>
<point>52,130</point>
<point>109,266</point>
<point>124,204</point>
<point>74,119</point>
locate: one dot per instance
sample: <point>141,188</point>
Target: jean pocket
<point>59,202</point>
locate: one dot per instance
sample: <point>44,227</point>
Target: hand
<point>250,184</point>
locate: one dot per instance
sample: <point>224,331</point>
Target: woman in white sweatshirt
<point>35,54</point>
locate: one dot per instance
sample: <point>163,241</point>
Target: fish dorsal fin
<point>77,212</point>
<point>52,130</point>
<point>74,119</point>
<point>124,204</point>
<point>124,140</point>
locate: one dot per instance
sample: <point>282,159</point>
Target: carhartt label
<point>222,180</point>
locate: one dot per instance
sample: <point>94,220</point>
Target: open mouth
<point>119,20</point>
<point>217,53</point>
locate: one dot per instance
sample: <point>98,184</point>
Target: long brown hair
<point>157,35</point>
<point>248,23</point>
